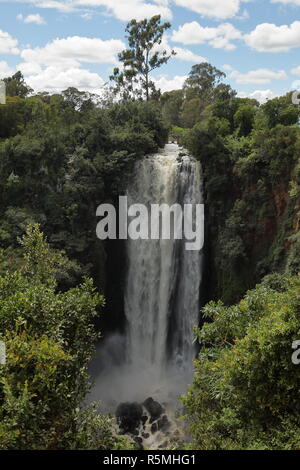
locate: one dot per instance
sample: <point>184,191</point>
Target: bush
<point>49,339</point>
<point>245,390</point>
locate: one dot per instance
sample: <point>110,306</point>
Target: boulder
<point>129,416</point>
<point>163,423</point>
<point>154,428</point>
<point>144,419</point>
<point>154,409</point>
<point>138,443</point>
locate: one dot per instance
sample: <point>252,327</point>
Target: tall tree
<point>204,82</point>
<point>16,86</point>
<point>144,55</point>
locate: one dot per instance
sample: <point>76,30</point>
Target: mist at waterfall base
<point>154,356</point>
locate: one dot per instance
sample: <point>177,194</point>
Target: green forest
<point>61,155</point>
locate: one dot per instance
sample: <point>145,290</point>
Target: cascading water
<point>162,289</point>
<point>161,293</point>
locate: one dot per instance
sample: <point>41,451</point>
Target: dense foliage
<point>61,156</point>
<point>49,338</point>
<point>245,390</point>
<point>250,157</point>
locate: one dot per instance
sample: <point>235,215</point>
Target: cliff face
<point>252,208</point>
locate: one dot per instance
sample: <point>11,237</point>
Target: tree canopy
<point>204,82</point>
<point>16,86</point>
<point>142,57</point>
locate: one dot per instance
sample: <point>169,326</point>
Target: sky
<point>62,43</point>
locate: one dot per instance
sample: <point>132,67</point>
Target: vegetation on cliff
<point>245,390</point>
<point>49,338</point>
<point>61,156</point>
<point>250,159</point>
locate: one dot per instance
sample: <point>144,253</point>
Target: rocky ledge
<point>146,423</point>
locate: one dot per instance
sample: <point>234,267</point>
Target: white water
<point>163,281</point>
<point>161,295</point>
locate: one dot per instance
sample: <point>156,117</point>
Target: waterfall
<point>155,358</point>
<point>163,280</point>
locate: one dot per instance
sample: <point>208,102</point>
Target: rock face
<point>163,423</point>
<point>154,428</point>
<point>129,416</point>
<point>154,409</point>
<point>144,419</point>
<point>138,443</point>
<point>145,423</point>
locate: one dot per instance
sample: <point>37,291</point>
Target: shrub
<point>245,390</point>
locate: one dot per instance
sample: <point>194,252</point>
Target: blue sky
<point>61,43</point>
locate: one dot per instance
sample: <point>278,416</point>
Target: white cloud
<point>219,37</point>
<point>58,65</point>
<point>5,69</point>
<point>8,45</point>
<point>37,18</point>
<point>87,16</point>
<point>285,2</point>
<point>260,95</point>
<point>295,85</point>
<point>212,8</point>
<point>296,71</point>
<point>168,84</point>
<point>267,37</point>
<point>64,6</point>
<point>54,80</point>
<point>181,53</point>
<point>244,15</point>
<point>259,76</point>
<point>125,10</point>
<point>227,67</point>
<point>69,52</point>
<point>187,55</point>
<point>29,68</point>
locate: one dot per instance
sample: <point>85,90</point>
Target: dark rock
<point>164,445</point>
<point>154,409</point>
<point>163,423</point>
<point>154,428</point>
<point>144,419</point>
<point>138,443</point>
<point>129,416</point>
